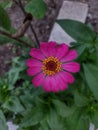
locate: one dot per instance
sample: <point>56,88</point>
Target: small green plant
<point>44,103</point>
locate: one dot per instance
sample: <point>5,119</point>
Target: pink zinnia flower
<point>52,66</point>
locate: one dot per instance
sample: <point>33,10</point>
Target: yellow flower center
<point>51,65</point>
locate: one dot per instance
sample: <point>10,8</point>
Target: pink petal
<point>54,84</point>
<point>62,85</point>
<point>44,49</point>
<point>71,67</point>
<point>52,48</point>
<point>62,49</point>
<point>67,77</point>
<point>71,55</point>
<point>47,84</point>
<point>33,63</point>
<point>35,53</point>
<point>38,80</point>
<point>48,49</point>
<point>50,84</point>
<point>33,71</point>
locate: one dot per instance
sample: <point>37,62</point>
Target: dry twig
<point>17,39</point>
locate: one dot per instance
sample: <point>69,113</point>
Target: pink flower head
<point>52,66</point>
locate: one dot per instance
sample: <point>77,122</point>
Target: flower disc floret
<point>51,65</point>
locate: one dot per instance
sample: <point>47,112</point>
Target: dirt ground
<point>42,27</point>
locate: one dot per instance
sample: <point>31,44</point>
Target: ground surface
<point>42,27</point>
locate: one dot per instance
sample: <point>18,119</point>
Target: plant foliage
<point>33,109</point>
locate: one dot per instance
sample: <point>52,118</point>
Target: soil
<point>42,27</point>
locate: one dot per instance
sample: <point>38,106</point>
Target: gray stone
<point>11,126</point>
<point>69,10</point>
<point>73,10</point>
<point>91,127</point>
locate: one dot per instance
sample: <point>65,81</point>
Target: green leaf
<point>95,119</point>
<point>13,104</point>
<point>54,121</point>
<point>32,117</point>
<point>27,100</point>
<point>77,122</point>
<point>4,40</point>
<point>6,4</point>
<point>20,128</point>
<point>91,75</point>
<point>80,100</point>
<point>14,73</point>
<point>4,19</point>
<point>37,8</point>
<point>40,128</point>
<point>44,125</point>
<point>36,127</point>
<point>3,125</point>
<point>80,49</point>
<point>62,109</point>
<point>77,30</point>
<point>2,116</point>
<point>96,41</point>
